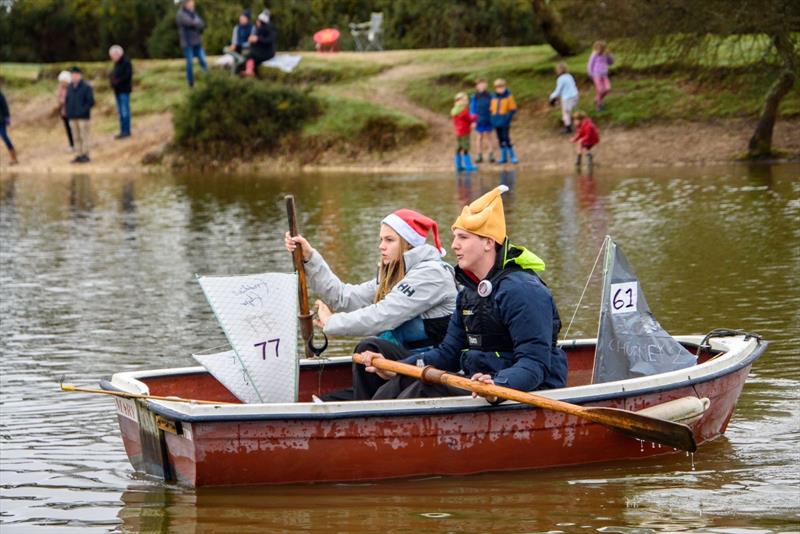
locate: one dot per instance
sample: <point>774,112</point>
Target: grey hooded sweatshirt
<point>427,291</point>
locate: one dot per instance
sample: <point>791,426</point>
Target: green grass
<point>730,82</point>
<point>362,124</point>
<point>643,90</point>
<point>324,69</point>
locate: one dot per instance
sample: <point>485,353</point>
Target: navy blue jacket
<point>4,112</point>
<point>481,105</point>
<point>528,311</point>
<point>80,99</point>
<point>122,76</point>
<point>264,47</point>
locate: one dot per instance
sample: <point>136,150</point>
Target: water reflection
<point>128,206</point>
<point>656,495</point>
<point>97,276</point>
<point>80,195</point>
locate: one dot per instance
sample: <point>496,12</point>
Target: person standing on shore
<point>64,79</point>
<point>597,68</point>
<point>80,100</point>
<point>585,138</point>
<point>503,108</point>
<point>122,83</point>
<point>567,91</point>
<point>480,105</point>
<point>462,122</point>
<point>5,122</point>
<point>190,29</point>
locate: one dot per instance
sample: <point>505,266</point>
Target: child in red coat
<point>585,138</point>
<point>462,122</point>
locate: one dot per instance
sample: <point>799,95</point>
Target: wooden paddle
<point>639,426</point>
<point>306,323</point>
<point>127,395</point>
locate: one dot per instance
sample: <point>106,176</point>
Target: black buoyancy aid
<point>481,315</point>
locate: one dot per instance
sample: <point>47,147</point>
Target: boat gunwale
<point>735,357</point>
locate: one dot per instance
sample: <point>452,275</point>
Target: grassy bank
<point>643,90</point>
<point>378,104</point>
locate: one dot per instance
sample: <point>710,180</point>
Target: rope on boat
<point>585,287</point>
<point>724,332</point>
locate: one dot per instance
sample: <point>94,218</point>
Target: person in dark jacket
<point>505,327</point>
<point>122,83</point>
<point>190,30</point>
<point>5,122</point>
<point>80,100</point>
<point>262,44</point>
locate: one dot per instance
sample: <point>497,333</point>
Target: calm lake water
<point>97,276</point>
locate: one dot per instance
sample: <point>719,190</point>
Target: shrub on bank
<point>226,117</point>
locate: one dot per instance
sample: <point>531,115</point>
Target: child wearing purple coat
<point>597,68</point>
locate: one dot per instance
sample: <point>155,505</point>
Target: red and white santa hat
<point>414,227</point>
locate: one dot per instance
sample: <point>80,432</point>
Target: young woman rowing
<point>406,307</point>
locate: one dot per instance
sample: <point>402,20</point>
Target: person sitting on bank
<point>505,327</point>
<point>406,307</point>
<point>262,44</point>
<point>240,39</point>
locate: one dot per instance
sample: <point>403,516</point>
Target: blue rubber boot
<point>468,166</point>
<point>513,156</point>
<point>503,155</point>
<point>458,162</point>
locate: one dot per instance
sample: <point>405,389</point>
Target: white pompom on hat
<point>414,227</point>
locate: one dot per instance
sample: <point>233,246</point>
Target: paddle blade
<point>644,427</point>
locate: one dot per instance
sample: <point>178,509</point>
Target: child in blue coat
<point>503,108</point>
<point>480,105</point>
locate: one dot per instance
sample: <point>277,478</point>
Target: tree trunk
<point>553,28</point>
<point>760,145</point>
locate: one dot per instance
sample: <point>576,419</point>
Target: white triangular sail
<point>258,314</point>
<point>630,341</point>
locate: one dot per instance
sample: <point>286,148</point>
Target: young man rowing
<point>505,326</point>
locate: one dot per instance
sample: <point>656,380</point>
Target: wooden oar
<point>127,395</point>
<point>306,323</point>
<point>639,426</point>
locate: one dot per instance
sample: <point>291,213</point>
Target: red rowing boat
<point>275,443</point>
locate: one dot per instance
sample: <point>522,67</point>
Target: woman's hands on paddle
<point>323,313</point>
<point>368,357</point>
<point>483,379</point>
<point>291,244</point>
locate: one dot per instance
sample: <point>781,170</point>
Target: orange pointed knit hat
<point>485,216</point>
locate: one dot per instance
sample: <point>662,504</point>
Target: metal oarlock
<point>317,351</point>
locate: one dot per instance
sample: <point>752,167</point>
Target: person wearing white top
<point>567,91</point>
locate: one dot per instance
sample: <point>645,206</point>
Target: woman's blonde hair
<point>599,47</point>
<point>390,274</point>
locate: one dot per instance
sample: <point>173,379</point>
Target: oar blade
<point>644,427</point>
